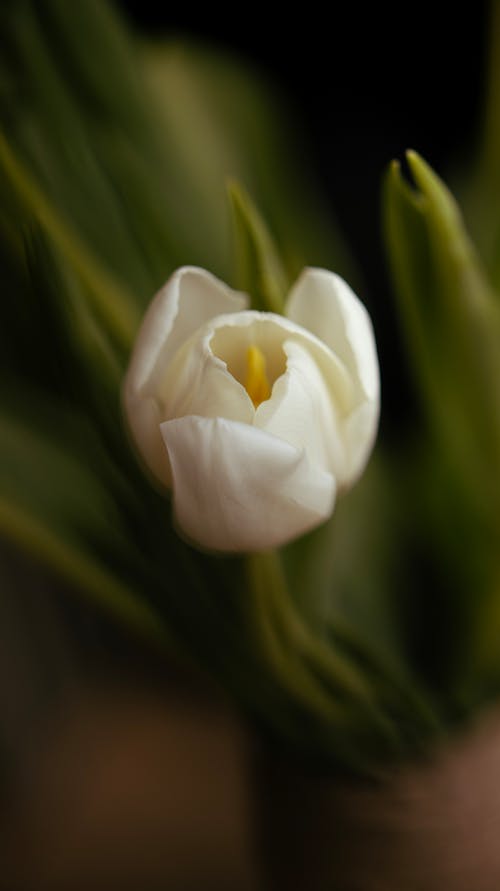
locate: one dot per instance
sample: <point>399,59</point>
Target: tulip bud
<point>253,419</point>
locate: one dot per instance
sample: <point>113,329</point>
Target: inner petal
<point>253,353</point>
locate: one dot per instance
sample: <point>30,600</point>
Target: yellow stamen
<point>257,384</point>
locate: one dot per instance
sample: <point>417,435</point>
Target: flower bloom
<point>254,420</point>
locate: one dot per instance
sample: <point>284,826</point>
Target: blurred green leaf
<point>259,271</point>
<point>451,318</point>
<point>88,142</point>
<point>319,565</point>
<point>110,302</point>
<point>477,178</point>
<point>137,161</point>
<point>114,164</point>
<point>221,120</point>
<point>54,506</point>
<point>452,322</point>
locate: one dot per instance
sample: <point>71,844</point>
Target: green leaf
<point>221,120</point>
<point>137,162</point>
<point>354,696</point>
<point>55,507</point>
<point>259,271</point>
<point>452,322</point>
<point>477,179</point>
<point>110,302</point>
<point>451,318</point>
<point>90,143</point>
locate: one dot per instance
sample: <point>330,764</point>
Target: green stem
<point>321,678</point>
<point>267,583</point>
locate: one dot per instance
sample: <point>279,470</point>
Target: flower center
<point>251,346</point>
<point>256,381</point>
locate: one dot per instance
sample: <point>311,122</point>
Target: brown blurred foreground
<point>126,772</point>
<point>144,791</point>
<point>134,792</point>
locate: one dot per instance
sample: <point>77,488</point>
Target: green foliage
<point>259,271</point>
<point>222,122</point>
<point>477,183</point>
<point>107,184</point>
<point>451,318</point>
<point>55,503</point>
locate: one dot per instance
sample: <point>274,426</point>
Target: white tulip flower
<point>254,420</point>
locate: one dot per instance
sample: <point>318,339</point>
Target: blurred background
<point>119,770</point>
<point>361,84</point>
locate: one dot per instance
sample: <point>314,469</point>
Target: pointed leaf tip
<point>260,270</point>
<point>432,187</point>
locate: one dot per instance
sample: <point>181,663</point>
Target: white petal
<point>234,333</point>
<point>237,488</point>
<point>143,415</point>
<point>359,435</point>
<point>190,298</point>
<point>323,302</point>
<point>199,383</point>
<point>207,374</point>
<point>301,411</point>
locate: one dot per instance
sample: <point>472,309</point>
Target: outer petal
<point>323,303</point>
<point>359,433</point>
<point>190,297</point>
<point>302,412</point>
<point>237,488</point>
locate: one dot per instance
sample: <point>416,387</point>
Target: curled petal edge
<point>237,488</point>
<point>323,303</point>
<point>190,297</point>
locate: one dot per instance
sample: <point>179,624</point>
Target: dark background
<point>365,82</point>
